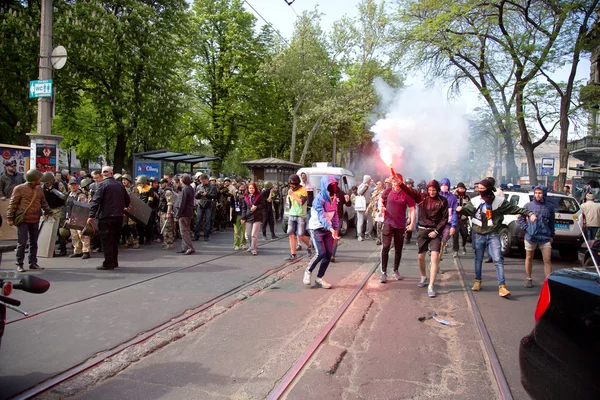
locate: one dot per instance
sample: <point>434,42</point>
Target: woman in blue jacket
<point>323,225</point>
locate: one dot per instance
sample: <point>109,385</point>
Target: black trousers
<point>387,235</point>
<point>462,230</point>
<point>110,232</point>
<point>268,218</point>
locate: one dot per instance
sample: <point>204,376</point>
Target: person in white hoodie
<point>365,189</point>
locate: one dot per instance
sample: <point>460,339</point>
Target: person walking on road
<point>487,213</point>
<point>268,194</point>
<point>343,200</point>
<point>394,204</point>
<point>297,196</point>
<point>463,222</point>
<point>166,202</point>
<point>363,197</point>
<point>24,212</point>
<point>81,243</point>
<point>184,215</point>
<point>433,217</point>
<point>450,228</point>
<point>239,212</point>
<point>323,224</point>
<point>108,206</point>
<point>255,205</point>
<point>538,233</point>
<point>591,210</point>
<point>206,192</point>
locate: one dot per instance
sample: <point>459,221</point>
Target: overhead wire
<point>267,22</point>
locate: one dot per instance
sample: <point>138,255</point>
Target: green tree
<point>127,59</point>
<point>19,50</point>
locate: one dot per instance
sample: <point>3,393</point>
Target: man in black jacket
<point>433,217</point>
<point>184,214</point>
<point>108,206</point>
<point>343,200</point>
<point>206,192</point>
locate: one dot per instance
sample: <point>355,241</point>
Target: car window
<point>567,205</point>
<point>514,199</point>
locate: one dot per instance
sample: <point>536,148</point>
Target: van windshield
<point>565,205</point>
<point>315,181</point>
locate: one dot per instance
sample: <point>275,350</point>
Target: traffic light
<point>471,156</point>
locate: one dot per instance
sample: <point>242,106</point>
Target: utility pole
<point>334,152</point>
<point>44,116</point>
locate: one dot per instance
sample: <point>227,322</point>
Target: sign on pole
<point>40,89</point>
<point>547,166</point>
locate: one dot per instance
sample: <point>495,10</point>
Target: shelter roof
<point>271,162</point>
<point>174,156</point>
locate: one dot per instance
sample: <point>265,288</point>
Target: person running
<point>394,204</point>
<point>487,213</point>
<point>540,233</point>
<point>450,228</point>
<point>298,198</point>
<point>255,205</point>
<point>323,224</point>
<point>463,223</point>
<point>433,217</point>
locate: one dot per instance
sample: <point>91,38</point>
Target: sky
<point>282,18</point>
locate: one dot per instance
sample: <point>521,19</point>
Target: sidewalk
<point>385,346</point>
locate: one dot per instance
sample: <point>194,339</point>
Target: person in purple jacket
<point>394,203</point>
<point>323,225</point>
<point>450,228</point>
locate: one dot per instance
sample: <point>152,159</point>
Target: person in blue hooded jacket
<point>450,228</point>
<point>539,233</point>
<point>323,225</point>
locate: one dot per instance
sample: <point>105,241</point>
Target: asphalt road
<point>42,346</point>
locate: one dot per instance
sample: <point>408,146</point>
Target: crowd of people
<point>189,207</point>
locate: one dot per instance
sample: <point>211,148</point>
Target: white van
<point>314,174</point>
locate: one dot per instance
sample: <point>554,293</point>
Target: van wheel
<point>344,225</point>
<point>568,254</point>
<point>505,242</point>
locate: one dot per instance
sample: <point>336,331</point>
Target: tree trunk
<point>524,132</point>
<point>295,128</point>
<point>312,132</point>
<point>120,150</point>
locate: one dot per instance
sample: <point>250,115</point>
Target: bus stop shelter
<point>151,163</point>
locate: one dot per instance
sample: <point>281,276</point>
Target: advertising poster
<point>45,157</point>
<point>150,169</point>
<point>16,153</point>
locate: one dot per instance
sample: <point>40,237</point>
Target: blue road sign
<point>40,89</point>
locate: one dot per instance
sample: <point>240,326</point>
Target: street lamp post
<point>45,68</point>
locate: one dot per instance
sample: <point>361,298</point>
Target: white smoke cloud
<point>426,135</point>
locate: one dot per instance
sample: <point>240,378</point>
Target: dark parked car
<point>585,258</point>
<point>560,359</point>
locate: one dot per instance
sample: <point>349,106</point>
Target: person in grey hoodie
<point>365,189</point>
<point>539,233</point>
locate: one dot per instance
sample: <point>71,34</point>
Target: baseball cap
<point>10,163</point>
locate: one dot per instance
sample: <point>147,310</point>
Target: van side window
<point>514,199</point>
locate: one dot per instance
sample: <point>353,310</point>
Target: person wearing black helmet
<point>297,197</point>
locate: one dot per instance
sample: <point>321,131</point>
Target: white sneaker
<point>360,238</point>
<point>464,251</point>
<point>321,282</point>
<point>236,248</point>
<point>307,276</point>
<point>455,254</point>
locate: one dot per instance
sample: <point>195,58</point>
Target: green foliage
<point>19,49</point>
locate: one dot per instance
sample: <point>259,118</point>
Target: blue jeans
<point>207,212</point>
<point>323,244</point>
<point>591,232</point>
<point>492,242</point>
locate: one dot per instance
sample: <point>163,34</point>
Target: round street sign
<point>59,57</point>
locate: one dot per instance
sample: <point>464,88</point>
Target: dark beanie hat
<point>460,184</point>
<point>487,184</point>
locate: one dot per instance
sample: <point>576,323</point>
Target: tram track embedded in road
<point>129,285</point>
<point>503,387</point>
<point>287,380</point>
<point>80,368</point>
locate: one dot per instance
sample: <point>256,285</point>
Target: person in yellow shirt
<point>298,200</point>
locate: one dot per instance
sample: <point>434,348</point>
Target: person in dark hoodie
<point>487,212</point>
<point>433,217</point>
<point>462,225</point>
<point>343,200</point>
<point>450,228</point>
<point>323,225</point>
<point>539,233</point>
<point>255,206</point>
